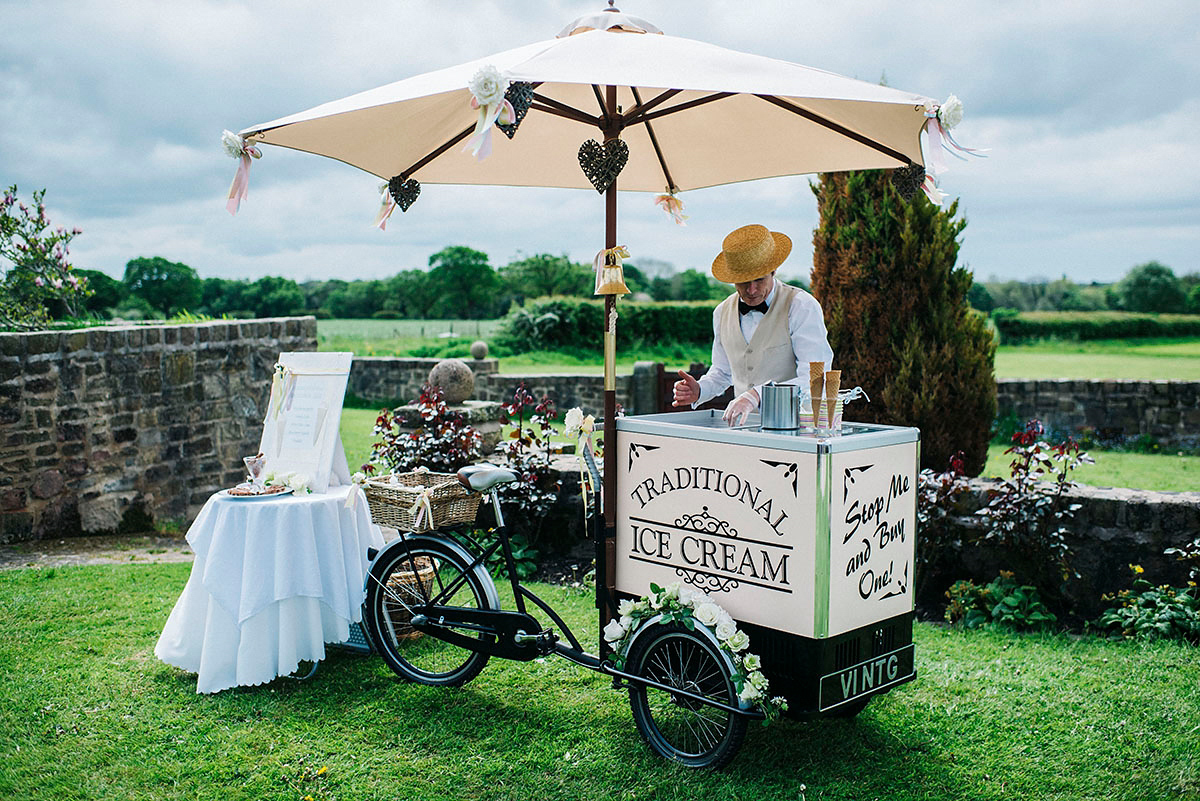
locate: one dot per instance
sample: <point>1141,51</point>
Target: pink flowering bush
<point>35,274</point>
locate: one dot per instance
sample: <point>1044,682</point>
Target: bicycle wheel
<point>677,727</point>
<point>409,576</point>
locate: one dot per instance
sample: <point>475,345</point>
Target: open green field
<point>1138,359</point>
<point>88,712</point>
<point>1135,359</point>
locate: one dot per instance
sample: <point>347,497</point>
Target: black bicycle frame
<point>575,651</point>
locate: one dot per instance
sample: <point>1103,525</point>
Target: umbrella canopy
<point>693,115</point>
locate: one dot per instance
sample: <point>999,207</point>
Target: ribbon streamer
<point>480,143</point>
<point>422,507</point>
<point>239,190</point>
<point>387,204</point>
<point>672,206</point>
<point>357,481</point>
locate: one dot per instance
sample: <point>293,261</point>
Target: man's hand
<point>740,408</point>
<point>687,390</point>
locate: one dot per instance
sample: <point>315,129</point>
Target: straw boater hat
<point>749,253</point>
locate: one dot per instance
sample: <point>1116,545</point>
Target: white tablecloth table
<point>273,581</point>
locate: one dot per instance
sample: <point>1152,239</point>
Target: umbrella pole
<point>608,553</point>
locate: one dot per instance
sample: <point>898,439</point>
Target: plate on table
<point>259,497</point>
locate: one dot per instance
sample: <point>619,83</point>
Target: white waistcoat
<point>768,356</point>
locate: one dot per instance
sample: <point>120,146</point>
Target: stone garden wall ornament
<point>603,163</point>
<point>455,379</point>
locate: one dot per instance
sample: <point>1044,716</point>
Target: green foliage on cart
<point>1003,602</point>
<point>1150,612</point>
<point>574,324</point>
<point>1016,327</point>
<point>899,322</point>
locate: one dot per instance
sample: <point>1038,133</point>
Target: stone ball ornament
<point>455,379</point>
<point>479,349</point>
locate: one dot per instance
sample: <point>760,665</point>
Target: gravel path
<point>121,549</point>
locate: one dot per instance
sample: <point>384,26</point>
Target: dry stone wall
<point>1116,412</point>
<point>115,427</point>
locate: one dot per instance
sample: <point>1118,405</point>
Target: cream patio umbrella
<point>689,115</point>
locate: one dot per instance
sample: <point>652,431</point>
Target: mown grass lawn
<point>88,712</point>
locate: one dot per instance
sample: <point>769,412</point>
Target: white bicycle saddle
<point>482,477</point>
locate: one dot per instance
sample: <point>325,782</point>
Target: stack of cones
<point>823,386</point>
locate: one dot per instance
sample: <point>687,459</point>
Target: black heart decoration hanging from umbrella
<point>404,191</point>
<point>603,163</point>
<point>520,95</point>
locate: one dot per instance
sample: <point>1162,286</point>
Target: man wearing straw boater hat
<point>766,331</point>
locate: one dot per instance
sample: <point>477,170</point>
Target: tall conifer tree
<point>899,323</point>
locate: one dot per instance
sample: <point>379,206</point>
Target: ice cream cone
<point>816,384</point>
<point>833,382</point>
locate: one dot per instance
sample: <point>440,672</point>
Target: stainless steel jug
<point>780,408</point>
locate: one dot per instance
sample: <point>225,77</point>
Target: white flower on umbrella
<point>488,85</point>
<point>951,112</point>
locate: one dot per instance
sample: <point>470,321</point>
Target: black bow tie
<point>744,308</point>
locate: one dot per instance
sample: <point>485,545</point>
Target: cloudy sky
<point>1091,111</point>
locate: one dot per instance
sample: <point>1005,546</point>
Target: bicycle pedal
<point>546,641</point>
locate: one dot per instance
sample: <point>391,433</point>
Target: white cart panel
<point>733,521</point>
<point>873,523</point>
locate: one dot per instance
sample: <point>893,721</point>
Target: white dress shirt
<point>806,327</point>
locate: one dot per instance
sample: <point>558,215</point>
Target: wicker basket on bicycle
<point>420,501</point>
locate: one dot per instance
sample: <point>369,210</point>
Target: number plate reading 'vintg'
<point>866,677</point>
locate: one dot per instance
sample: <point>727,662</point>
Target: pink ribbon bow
<point>672,206</point>
<point>480,143</point>
<point>239,190</point>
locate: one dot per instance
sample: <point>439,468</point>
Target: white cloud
<point>1090,111</point>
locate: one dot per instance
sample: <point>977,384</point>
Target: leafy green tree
<point>358,299</point>
<point>544,275</point>
<point>35,276</point>
<point>1193,303</point>
<point>1152,287</point>
<point>896,309</point>
<point>691,284</point>
<point>463,284</point>
<point>106,291</point>
<point>408,293</point>
<point>979,297</point>
<point>168,286</point>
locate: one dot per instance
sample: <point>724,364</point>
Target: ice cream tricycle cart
<point>749,565</point>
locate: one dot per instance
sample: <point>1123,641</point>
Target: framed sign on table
<point>300,432</point>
